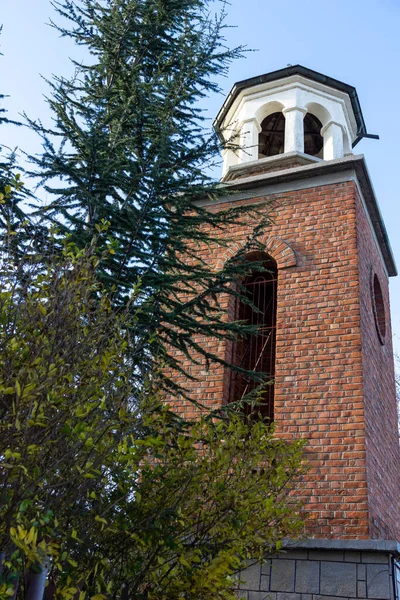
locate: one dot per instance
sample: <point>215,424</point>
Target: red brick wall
<point>319,362</point>
<point>382,442</point>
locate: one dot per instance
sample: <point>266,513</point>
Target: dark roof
<point>288,72</point>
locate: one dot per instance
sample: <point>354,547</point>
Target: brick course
<point>334,380</point>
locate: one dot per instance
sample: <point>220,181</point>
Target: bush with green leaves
<point>106,486</point>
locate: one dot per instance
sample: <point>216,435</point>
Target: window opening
<point>256,352</point>
<point>313,140</point>
<point>272,136</point>
<point>378,306</point>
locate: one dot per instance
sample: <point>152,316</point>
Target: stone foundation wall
<point>315,574</point>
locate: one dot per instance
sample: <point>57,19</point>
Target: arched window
<point>256,352</point>
<point>313,140</point>
<point>271,139</point>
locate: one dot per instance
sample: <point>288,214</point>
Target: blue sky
<point>355,41</point>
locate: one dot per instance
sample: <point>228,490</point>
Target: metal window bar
<point>256,352</point>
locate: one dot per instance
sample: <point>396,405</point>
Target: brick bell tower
<point>327,328</point>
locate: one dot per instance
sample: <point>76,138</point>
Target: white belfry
<point>290,111</point>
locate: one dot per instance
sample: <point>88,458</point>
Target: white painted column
<point>249,141</point>
<point>333,140</point>
<point>230,158</point>
<point>294,129</point>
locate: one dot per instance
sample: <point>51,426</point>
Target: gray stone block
<point>295,553</point>
<point>258,596</point>
<point>329,598</point>
<point>307,577</point>
<point>375,557</point>
<point>306,597</point>
<point>282,575</point>
<point>251,578</point>
<point>361,589</point>
<point>338,579</point>
<point>352,556</point>
<point>266,567</point>
<point>242,595</point>
<point>331,555</point>
<point>287,596</point>
<point>264,587</point>
<point>378,582</point>
<point>361,572</point>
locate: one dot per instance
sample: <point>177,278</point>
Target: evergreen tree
<point>115,498</point>
<point>134,153</point>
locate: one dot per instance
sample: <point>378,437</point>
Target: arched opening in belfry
<point>313,140</point>
<point>271,139</point>
<point>255,353</point>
